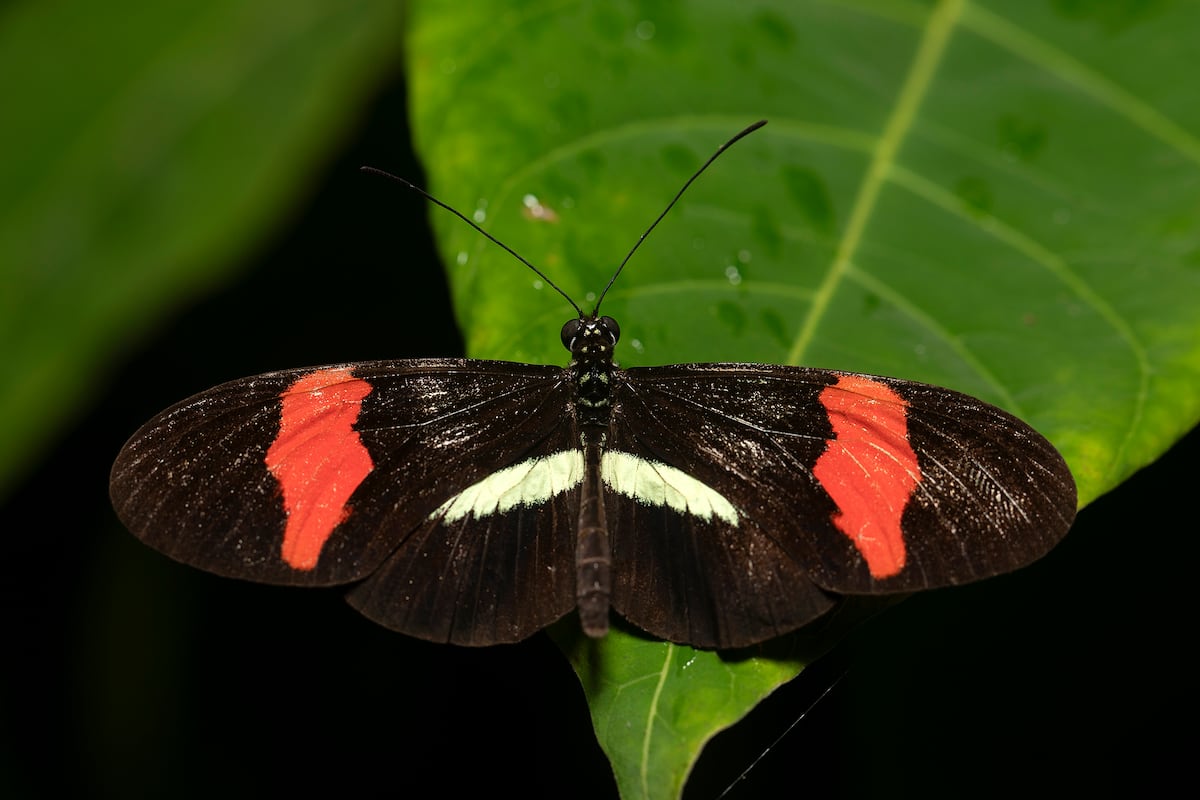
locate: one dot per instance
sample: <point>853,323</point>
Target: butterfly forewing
<point>193,483</point>
<point>376,447</point>
<point>994,492</point>
<point>853,483</point>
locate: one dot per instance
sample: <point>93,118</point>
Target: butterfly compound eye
<point>569,331</point>
<point>609,324</point>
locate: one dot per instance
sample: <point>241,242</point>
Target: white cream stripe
<point>529,483</point>
<point>656,484</point>
<point>536,480</point>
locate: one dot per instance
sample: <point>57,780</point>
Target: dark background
<point>125,674</point>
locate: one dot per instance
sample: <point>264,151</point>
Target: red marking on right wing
<point>869,469</point>
<point>318,459</point>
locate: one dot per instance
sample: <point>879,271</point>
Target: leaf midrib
<point>930,50</point>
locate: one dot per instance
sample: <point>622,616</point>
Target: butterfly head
<point>590,335</point>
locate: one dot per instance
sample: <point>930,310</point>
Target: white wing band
<point>534,481</point>
<point>529,483</point>
<point>653,483</point>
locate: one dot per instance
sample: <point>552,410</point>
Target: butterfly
<point>477,502</point>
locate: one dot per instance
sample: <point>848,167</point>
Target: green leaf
<point>655,704</point>
<point>998,197</point>
<point>147,146</point>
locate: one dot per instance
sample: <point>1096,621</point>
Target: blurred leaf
<point>997,197</point>
<point>148,145</point>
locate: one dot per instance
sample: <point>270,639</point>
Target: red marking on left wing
<point>869,468</point>
<point>318,459</point>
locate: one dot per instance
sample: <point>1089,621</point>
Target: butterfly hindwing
<point>706,582</point>
<point>475,581</point>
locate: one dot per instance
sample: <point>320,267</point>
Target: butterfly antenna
<point>745,132</point>
<point>473,224</point>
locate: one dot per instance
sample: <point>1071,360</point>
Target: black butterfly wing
<point>993,495</point>
<point>479,579</point>
<point>815,464</point>
<point>328,476</point>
